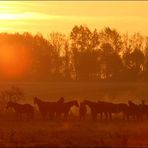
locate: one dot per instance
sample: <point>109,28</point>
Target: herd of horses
<point>99,109</point>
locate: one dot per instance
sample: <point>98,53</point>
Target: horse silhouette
<point>21,109</point>
<point>61,100</point>
<point>48,109</point>
<point>96,109</point>
<point>82,110</point>
<point>64,108</point>
<point>135,111</point>
<point>124,109</point>
<point>143,110</point>
<point>110,108</point>
<point>107,108</point>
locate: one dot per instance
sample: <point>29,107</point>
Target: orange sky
<point>48,16</point>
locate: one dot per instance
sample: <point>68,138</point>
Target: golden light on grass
<point>14,61</point>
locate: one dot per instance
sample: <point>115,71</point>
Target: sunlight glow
<point>49,16</point>
<point>14,62</point>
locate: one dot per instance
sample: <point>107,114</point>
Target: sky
<point>61,16</point>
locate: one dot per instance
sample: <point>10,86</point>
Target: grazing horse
<point>21,109</point>
<point>48,108</point>
<point>65,108</point>
<point>82,110</point>
<point>144,109</point>
<point>95,108</point>
<point>123,108</point>
<point>134,110</point>
<point>107,108</point>
<point>113,108</point>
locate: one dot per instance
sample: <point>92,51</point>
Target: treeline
<point>84,55</point>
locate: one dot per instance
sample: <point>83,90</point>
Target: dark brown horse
<point>113,108</point>
<point>135,110</point>
<point>48,109</point>
<point>95,107</point>
<point>64,108</point>
<point>21,109</point>
<point>82,110</point>
<point>143,108</point>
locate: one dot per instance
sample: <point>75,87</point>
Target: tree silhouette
<point>111,63</point>
<point>134,62</point>
<point>85,45</point>
<point>84,54</point>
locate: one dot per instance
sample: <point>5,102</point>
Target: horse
<point>144,109</point>
<point>123,108</point>
<point>113,108</point>
<point>95,109</point>
<point>61,100</point>
<point>64,108</point>
<point>135,110</point>
<point>107,108</point>
<point>47,108</point>
<point>82,110</point>
<point>21,109</point>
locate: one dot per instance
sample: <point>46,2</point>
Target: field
<point>75,133</point>
<point>115,92</point>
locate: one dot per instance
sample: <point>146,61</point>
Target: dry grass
<point>74,133</point>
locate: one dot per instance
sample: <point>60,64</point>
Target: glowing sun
<point>14,61</point>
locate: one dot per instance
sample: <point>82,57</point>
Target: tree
<point>111,63</point>
<point>133,62</point>
<point>111,36</point>
<point>85,46</point>
<point>61,55</point>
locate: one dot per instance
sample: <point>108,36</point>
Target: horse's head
<point>129,102</point>
<point>82,104</point>
<point>85,102</point>
<point>35,100</point>
<point>61,100</point>
<point>99,101</point>
<point>76,103</point>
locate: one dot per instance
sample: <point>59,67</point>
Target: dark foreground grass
<point>73,133</point>
<point>116,133</point>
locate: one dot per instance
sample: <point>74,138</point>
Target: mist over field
<point>73,74</point>
<point>116,92</point>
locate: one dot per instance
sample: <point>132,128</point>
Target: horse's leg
<point>44,114</point>
<point>84,116</point>
<point>80,117</point>
<point>18,116</point>
<point>128,116</point>
<point>52,115</point>
<point>66,115</point>
<point>110,116</point>
<point>94,116</point>
<point>124,116</point>
<point>58,115</point>
<point>101,116</point>
<point>106,115</point>
<point>32,115</point>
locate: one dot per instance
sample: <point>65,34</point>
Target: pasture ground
<point>74,133</point>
